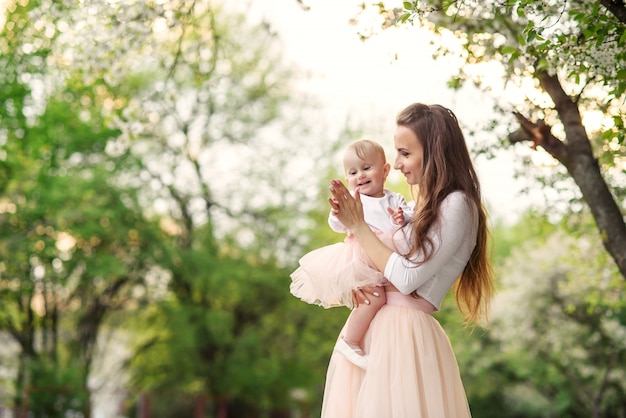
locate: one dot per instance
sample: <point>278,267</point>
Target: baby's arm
<point>404,211</point>
<point>335,224</point>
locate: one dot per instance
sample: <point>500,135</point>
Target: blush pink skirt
<point>412,371</point>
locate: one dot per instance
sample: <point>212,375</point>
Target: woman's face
<point>410,154</point>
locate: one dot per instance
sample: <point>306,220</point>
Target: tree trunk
<point>576,154</point>
<point>222,407</point>
<point>199,409</point>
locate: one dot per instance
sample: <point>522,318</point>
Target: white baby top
<point>454,239</point>
<point>376,215</point>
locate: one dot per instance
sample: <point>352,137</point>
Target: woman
<point>412,371</point>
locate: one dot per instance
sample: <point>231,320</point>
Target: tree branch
<point>577,156</point>
<point>539,133</point>
<point>617,8</point>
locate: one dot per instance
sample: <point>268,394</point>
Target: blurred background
<point>165,163</point>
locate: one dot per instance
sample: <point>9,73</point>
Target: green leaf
<point>542,64</point>
<point>455,83</point>
<point>509,50</point>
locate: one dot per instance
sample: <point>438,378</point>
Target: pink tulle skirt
<point>412,371</point>
<point>326,276</point>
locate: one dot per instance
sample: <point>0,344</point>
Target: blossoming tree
<point>575,54</point>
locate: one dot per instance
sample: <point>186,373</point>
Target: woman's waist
<point>394,297</point>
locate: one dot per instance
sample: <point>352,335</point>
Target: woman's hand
<point>346,208</point>
<point>362,294</point>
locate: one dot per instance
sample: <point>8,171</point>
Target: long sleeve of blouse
<point>454,239</point>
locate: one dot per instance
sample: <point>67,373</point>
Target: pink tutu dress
<point>326,276</point>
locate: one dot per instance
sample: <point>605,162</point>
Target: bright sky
<point>371,81</point>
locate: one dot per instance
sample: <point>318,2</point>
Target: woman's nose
<point>396,164</point>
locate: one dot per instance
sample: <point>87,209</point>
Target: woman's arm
<point>453,240</point>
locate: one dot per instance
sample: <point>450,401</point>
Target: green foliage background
<point>117,218</point>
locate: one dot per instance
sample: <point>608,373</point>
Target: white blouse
<point>454,239</point>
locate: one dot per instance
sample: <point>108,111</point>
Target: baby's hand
<point>397,215</point>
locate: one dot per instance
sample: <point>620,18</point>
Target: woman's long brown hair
<point>447,167</point>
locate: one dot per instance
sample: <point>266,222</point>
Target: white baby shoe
<point>351,354</point>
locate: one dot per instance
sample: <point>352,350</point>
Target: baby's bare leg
<point>360,319</point>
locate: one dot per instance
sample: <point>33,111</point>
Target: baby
<point>328,275</point>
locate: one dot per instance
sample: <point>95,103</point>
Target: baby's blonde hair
<point>363,147</point>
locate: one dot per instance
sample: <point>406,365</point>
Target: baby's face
<point>368,175</point>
